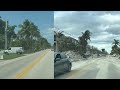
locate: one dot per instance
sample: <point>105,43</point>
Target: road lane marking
<point>82,71</point>
<point>29,67</point>
<point>102,74</point>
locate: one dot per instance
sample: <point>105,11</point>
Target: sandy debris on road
<point>73,56</point>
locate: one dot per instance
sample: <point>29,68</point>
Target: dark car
<point>62,64</point>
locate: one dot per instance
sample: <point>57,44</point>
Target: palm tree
<point>116,42</point>
<point>87,35</point>
<point>115,48</point>
<point>2,31</point>
<point>11,34</point>
<point>83,41</point>
<point>29,32</point>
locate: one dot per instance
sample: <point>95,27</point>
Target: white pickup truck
<point>18,50</point>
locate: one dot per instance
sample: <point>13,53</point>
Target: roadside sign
<point>1,56</point>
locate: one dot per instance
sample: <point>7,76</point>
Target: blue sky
<point>43,19</point>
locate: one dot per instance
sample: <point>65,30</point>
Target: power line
<point>64,32</point>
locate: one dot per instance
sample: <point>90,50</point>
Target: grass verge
<point>11,56</point>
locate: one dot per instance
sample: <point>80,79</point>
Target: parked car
<point>62,64</point>
<point>18,50</point>
<point>52,49</point>
<point>114,55</point>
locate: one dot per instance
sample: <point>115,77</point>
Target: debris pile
<point>73,56</point>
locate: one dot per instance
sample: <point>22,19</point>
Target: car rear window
<point>58,56</point>
<point>63,56</point>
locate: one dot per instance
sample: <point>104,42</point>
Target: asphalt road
<point>39,65</point>
<point>98,68</point>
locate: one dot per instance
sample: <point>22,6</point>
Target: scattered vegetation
<point>28,36</point>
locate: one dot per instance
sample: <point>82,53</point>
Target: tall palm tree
<point>11,34</point>
<point>87,35</point>
<point>83,41</point>
<point>29,32</point>
<point>2,32</point>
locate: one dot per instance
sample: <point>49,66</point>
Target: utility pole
<point>56,41</point>
<point>56,44</point>
<point>6,35</point>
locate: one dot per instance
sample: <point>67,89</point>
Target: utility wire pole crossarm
<point>6,35</point>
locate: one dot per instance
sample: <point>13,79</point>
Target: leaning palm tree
<point>87,35</point>
<point>116,42</point>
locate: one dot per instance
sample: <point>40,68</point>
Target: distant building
<point>74,41</point>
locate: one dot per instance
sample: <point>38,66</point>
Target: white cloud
<point>62,14</point>
<point>104,25</point>
<point>102,45</point>
<point>110,18</point>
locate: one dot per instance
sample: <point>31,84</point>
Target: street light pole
<point>6,35</point>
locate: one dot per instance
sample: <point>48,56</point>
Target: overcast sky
<point>104,25</point>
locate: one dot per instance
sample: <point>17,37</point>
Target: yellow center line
<point>29,68</point>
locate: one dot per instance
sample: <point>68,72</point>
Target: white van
<point>14,50</point>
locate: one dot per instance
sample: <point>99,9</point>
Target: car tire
<point>69,68</point>
<point>6,53</point>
